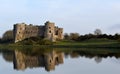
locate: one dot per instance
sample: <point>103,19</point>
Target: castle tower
<point>49,31</point>
<point>60,33</point>
<point>19,31</point>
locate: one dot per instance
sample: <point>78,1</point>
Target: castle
<point>48,31</point>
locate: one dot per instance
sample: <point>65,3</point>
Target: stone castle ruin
<point>48,31</point>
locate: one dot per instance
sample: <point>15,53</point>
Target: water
<point>60,61</point>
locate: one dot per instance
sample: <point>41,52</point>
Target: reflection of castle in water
<point>47,60</point>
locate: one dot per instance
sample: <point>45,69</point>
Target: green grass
<point>92,43</point>
<point>87,42</point>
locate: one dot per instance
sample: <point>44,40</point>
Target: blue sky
<point>82,16</point>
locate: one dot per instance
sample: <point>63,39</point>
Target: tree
<point>97,32</point>
<point>0,39</point>
<point>8,35</point>
<point>66,36</point>
<point>116,36</point>
<point>74,36</point>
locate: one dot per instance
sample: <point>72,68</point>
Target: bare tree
<point>97,32</point>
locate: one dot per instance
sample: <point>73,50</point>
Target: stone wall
<point>48,31</point>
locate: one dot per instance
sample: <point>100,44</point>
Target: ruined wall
<point>48,31</point>
<point>30,31</point>
<point>23,31</point>
<point>41,31</point>
<point>58,33</point>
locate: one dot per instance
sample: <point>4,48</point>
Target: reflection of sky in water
<point>71,66</point>
<point>115,61</point>
<point>5,67</point>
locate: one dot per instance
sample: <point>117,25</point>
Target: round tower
<point>18,31</point>
<point>49,31</point>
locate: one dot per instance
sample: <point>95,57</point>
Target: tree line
<point>8,36</point>
<point>97,35</point>
<point>76,37</point>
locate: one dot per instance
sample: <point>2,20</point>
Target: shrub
<point>45,42</point>
<point>118,40</point>
<point>35,40</point>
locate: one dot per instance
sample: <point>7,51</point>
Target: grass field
<point>87,42</point>
<point>92,43</point>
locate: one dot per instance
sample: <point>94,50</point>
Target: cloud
<point>115,27</point>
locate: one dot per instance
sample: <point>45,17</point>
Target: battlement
<point>48,31</point>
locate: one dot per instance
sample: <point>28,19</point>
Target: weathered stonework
<point>48,31</point>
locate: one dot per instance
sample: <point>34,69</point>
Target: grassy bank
<point>92,43</point>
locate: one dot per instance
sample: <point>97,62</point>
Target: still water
<point>60,61</point>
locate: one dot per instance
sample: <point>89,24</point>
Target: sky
<point>81,16</point>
